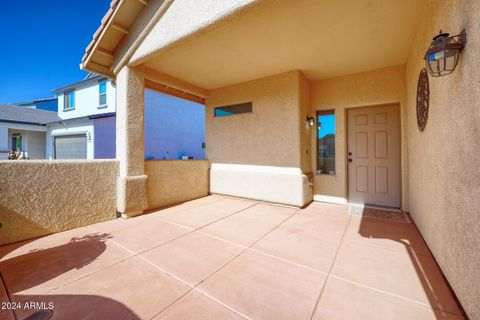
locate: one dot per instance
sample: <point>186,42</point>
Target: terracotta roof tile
<point>113,6</point>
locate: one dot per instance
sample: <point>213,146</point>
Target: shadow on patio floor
<point>26,278</point>
<point>435,286</point>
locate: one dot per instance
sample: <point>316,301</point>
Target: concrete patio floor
<point>225,258</point>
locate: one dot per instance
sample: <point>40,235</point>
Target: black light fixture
<point>310,121</point>
<point>442,55</point>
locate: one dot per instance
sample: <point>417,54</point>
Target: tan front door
<point>374,155</point>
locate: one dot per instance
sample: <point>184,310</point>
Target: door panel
<point>374,155</point>
<point>71,147</point>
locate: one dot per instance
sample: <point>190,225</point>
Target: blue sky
<point>327,124</point>
<point>42,43</point>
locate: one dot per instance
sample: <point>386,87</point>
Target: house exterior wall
<point>305,130</point>
<point>375,87</point>
<point>36,144</point>
<point>84,127</point>
<point>33,139</point>
<point>173,127</point>
<point>269,136</point>
<point>174,181</point>
<point>87,102</point>
<point>105,138</point>
<point>261,144</point>
<point>74,194</point>
<point>443,159</point>
<point>4,142</point>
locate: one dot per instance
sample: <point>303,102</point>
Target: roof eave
<point>74,85</point>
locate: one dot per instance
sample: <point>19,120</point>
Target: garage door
<point>71,147</point>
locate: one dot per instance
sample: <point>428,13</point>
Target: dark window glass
<point>233,109</point>
<point>326,142</point>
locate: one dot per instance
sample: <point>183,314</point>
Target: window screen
<point>233,109</point>
<point>326,142</point>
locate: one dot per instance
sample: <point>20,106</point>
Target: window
<point>102,94</point>
<point>233,109</point>
<point>17,142</point>
<point>69,100</point>
<point>326,142</point>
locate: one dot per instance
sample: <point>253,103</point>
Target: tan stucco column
<point>131,182</point>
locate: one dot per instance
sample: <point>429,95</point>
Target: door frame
<point>346,109</point>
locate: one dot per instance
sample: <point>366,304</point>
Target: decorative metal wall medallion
<point>423,94</point>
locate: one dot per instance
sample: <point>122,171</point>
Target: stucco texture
<point>131,183</point>
<point>174,181</point>
<point>254,147</point>
<point>268,136</point>
<point>443,159</point>
<point>178,22</point>
<point>272,184</point>
<point>371,88</point>
<point>43,197</point>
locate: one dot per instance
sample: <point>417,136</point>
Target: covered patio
<point>221,257</point>
<point>271,234</point>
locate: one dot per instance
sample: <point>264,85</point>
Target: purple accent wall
<point>104,138</point>
<point>174,127</point>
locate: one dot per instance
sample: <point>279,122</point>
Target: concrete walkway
<point>225,258</point>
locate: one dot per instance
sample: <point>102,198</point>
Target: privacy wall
<point>175,181</point>
<point>43,197</point>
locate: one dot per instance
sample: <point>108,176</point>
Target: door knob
<point>350,160</point>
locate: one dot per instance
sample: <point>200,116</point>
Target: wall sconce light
<point>442,55</point>
<point>311,121</point>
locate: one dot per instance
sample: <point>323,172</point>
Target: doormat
<point>374,213</point>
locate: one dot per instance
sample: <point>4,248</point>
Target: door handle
<point>350,160</point>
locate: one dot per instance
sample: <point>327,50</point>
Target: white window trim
<point>68,93</point>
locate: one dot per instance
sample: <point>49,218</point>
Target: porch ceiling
<point>323,39</point>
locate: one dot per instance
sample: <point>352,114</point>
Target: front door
<point>374,155</point>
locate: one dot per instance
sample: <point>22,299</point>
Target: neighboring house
<point>84,108</point>
<point>49,104</point>
<point>86,129</point>
<point>24,130</point>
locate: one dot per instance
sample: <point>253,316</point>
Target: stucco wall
<point>306,131</point>
<point>443,159</point>
<point>263,154</point>
<point>42,197</point>
<point>375,87</point>
<point>268,136</point>
<point>183,18</point>
<point>173,181</point>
